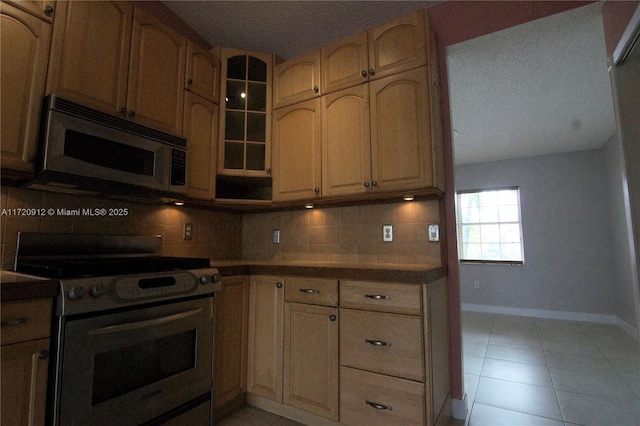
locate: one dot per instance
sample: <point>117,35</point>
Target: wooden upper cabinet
<point>344,63</point>
<point>401,149</point>
<point>44,9</point>
<point>297,152</point>
<point>155,94</point>
<point>296,80</point>
<point>90,53</point>
<point>201,132</point>
<point>24,48</point>
<point>346,152</point>
<point>398,45</point>
<point>203,72</point>
<point>116,58</point>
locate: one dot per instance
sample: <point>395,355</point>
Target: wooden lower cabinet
<point>265,345</point>
<point>376,355</point>
<point>24,357</point>
<point>230,349</point>
<point>311,358</point>
<point>375,399</point>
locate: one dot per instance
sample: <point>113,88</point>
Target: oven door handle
<point>143,324</point>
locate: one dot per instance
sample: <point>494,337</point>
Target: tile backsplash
<point>329,234</point>
<point>216,235</point>
<point>344,234</point>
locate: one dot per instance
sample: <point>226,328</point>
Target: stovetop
<point>68,268</point>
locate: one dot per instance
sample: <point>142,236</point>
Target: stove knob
<point>76,293</point>
<point>215,278</point>
<point>97,290</point>
<point>204,279</point>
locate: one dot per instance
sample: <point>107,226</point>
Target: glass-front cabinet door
<point>245,121</point>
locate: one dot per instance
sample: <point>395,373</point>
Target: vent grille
<point>80,111</point>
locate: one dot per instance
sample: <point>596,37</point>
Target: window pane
<point>256,97</point>
<point>489,214</point>
<point>257,69</point>
<point>489,226</point>
<point>234,126</point>
<point>256,127</point>
<point>255,156</point>
<point>237,67</point>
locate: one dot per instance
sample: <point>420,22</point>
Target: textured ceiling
<point>537,88</point>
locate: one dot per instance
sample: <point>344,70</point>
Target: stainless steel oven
<point>134,331</point>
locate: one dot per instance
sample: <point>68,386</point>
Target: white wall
<point>568,246</point>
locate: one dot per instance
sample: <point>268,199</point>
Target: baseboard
<point>459,408</point>
<point>561,315</point>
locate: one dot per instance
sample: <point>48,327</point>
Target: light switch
<point>434,232</point>
<point>276,236</point>
<point>188,231</point>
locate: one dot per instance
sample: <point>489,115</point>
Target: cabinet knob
<point>132,113</point>
<point>316,190</point>
<point>43,354</point>
<point>190,81</point>
<point>364,73</point>
<point>309,291</point>
<point>279,285</point>
<point>48,11</point>
<point>366,184</point>
<point>371,71</point>
<point>332,317</point>
<point>13,322</point>
<point>268,169</point>
<point>316,89</point>
<point>374,183</point>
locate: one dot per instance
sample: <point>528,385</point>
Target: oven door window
<point>123,370</point>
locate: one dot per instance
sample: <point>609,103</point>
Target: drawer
<point>385,297</point>
<point>375,400</point>
<point>383,343</point>
<point>24,321</point>
<point>313,291</point>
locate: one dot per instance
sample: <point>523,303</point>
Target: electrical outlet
<point>188,231</point>
<point>276,236</point>
<point>476,283</point>
<point>387,233</point>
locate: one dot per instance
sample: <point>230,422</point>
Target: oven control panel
<point>85,295</point>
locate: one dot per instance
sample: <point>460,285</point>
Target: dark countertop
<point>352,271</point>
<point>15,286</point>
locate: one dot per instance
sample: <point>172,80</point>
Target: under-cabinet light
<point>408,197</point>
<point>308,206</point>
<point>179,203</point>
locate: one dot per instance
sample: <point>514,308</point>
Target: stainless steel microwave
<point>85,151</point>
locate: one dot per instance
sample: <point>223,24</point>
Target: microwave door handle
<point>143,324</point>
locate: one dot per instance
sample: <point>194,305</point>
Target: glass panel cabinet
<point>245,122</point>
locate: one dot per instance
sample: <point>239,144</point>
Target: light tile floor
<point>534,371</point>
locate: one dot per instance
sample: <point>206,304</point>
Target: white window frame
<point>494,238</point>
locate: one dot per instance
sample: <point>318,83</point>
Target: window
<point>489,228</point>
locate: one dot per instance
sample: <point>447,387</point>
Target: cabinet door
<point>296,152</point>
<point>344,63</point>
<point>201,132</point>
<point>245,118</point>
<point>266,310</point>
<point>311,359</point>
<point>90,53</point>
<point>398,45</point>
<point>230,360</point>
<point>401,151</point>
<point>41,8</point>
<point>296,80</point>
<point>24,51</point>
<point>24,382</point>
<point>203,72</point>
<point>155,94</point>
<point>346,143</point>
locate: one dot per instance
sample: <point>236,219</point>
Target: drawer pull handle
<point>12,322</point>
<point>379,406</point>
<point>377,342</point>
<point>309,290</point>
<point>376,296</point>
